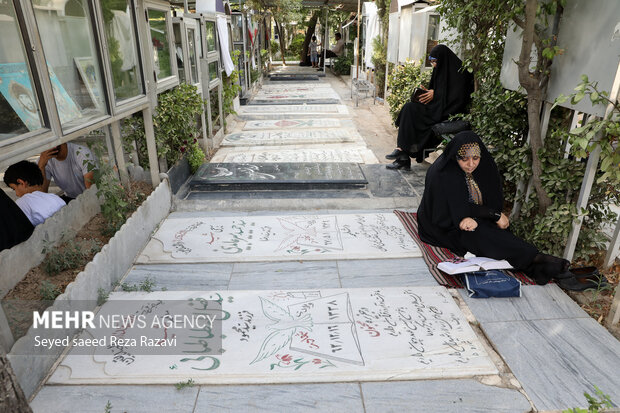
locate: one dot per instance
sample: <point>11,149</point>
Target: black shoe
<point>572,284</point>
<point>400,164</point>
<point>395,153</point>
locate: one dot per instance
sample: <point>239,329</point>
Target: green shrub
<point>118,202</point>
<point>379,59</point>
<point>231,87</point>
<point>275,47</point>
<point>48,291</point>
<point>402,81</point>
<point>175,123</point>
<point>342,64</point>
<point>68,256</point>
<point>296,46</point>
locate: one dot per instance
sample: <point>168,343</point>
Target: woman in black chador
<point>461,210</point>
<point>15,227</point>
<point>448,94</point>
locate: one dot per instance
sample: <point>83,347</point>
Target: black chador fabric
<point>446,202</point>
<point>14,225</point>
<point>452,92</point>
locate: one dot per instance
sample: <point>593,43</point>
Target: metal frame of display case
<point>51,133</point>
<point>243,64</point>
<point>185,23</point>
<point>212,86</point>
<point>170,81</point>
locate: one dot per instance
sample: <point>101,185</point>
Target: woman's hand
<point>427,97</point>
<point>503,221</point>
<point>468,224</point>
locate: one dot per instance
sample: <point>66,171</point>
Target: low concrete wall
<point>17,261</point>
<point>31,364</point>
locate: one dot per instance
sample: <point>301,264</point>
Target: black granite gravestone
<point>292,77</point>
<point>272,176</point>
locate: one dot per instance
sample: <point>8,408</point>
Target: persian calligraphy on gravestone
<point>295,108</point>
<point>354,155</point>
<point>279,137</point>
<point>293,124</point>
<point>303,336</point>
<point>229,174</point>
<point>285,237</point>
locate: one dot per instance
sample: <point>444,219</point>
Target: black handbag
<point>417,92</point>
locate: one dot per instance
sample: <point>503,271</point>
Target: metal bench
<point>446,131</point>
<point>362,86</point>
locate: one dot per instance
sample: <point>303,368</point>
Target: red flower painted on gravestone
<point>286,123</point>
<point>316,361</point>
<point>286,359</point>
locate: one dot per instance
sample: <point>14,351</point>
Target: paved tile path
<point>353,300</point>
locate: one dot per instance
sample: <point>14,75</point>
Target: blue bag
<point>491,283</point>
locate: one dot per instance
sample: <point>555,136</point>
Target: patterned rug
<point>434,255</point>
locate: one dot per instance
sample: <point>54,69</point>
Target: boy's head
<point>314,38</point>
<point>338,36</point>
<point>23,177</point>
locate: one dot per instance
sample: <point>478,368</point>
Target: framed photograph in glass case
<point>88,73</point>
<point>16,88</point>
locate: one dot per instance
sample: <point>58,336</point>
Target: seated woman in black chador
<point>461,210</point>
<point>449,93</point>
<point>15,227</point>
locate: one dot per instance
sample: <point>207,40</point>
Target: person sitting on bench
<point>461,209</point>
<point>335,52</point>
<point>449,93</point>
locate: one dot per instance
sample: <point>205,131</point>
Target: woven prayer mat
<point>434,255</point>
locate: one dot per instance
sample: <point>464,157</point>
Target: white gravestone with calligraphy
<point>354,154</point>
<point>293,336</point>
<point>278,95</point>
<point>279,111</point>
<point>280,238</point>
<point>296,137</point>
<point>296,124</point>
<point>296,86</point>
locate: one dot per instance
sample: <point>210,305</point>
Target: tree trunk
<point>309,33</point>
<point>533,82</point>
<point>12,398</point>
<point>280,39</point>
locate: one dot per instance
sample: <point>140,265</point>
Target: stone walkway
<point>312,249</point>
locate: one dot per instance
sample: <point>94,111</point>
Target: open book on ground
<point>459,266</point>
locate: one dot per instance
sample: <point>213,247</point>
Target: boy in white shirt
<point>26,179</point>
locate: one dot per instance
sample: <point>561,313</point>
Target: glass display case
<point>236,21</point>
<point>210,36</point>
<point>67,36</point>
<point>193,60</point>
<point>123,50</point>
<point>158,30</point>
<point>20,111</point>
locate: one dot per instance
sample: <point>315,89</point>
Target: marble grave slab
<point>279,238</point>
<point>287,154</point>
<point>293,77</point>
<point>294,137</point>
<point>321,85</point>
<point>297,124</point>
<point>329,335</point>
<point>272,176</point>
<point>251,112</point>
<point>299,94</point>
<point>302,101</point>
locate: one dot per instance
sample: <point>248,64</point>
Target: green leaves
<point>402,81</point>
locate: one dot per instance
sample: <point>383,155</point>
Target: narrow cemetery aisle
<point>326,301</point>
